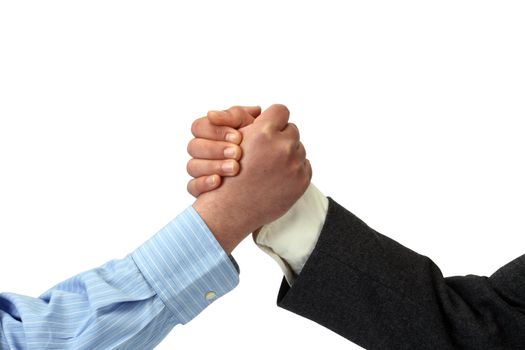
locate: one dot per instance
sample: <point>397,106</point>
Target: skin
<point>215,149</point>
<point>272,172</point>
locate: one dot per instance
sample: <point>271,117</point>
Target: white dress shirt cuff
<point>291,239</point>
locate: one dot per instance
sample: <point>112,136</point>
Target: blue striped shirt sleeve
<point>132,303</point>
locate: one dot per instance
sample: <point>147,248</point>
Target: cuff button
<point>210,296</point>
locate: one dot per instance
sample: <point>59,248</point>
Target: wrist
<point>222,222</point>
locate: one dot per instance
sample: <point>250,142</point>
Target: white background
<point>411,112</point>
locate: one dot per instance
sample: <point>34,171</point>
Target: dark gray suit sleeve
<point>381,295</point>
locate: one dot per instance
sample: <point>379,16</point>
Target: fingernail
<point>210,180</point>
<point>227,167</point>
<point>230,152</point>
<point>231,137</point>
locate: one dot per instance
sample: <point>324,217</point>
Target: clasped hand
<point>249,168</point>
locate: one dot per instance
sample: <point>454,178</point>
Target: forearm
<point>129,303</point>
<point>382,295</point>
<point>102,308</point>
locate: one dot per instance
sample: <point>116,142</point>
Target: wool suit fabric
<point>381,295</point>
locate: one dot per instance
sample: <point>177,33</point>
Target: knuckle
<point>236,116</point>
<point>266,132</point>
<point>295,170</point>
<point>235,109</point>
<point>296,130</point>
<point>302,154</point>
<point>307,172</point>
<point>227,112</point>
<point>290,149</point>
<point>200,185</point>
<point>262,137</point>
<point>281,109</point>
<point>284,152</point>
<point>217,168</point>
<point>220,133</point>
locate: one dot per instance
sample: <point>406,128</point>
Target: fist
<point>215,148</point>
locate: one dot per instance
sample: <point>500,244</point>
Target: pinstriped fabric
<point>187,271</point>
<point>131,303</point>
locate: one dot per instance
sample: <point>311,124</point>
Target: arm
<point>131,303</point>
<point>381,295</point>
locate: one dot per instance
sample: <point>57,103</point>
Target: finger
<point>203,184</point>
<point>234,117</point>
<point>203,128</point>
<point>204,167</point>
<point>276,115</point>
<point>254,111</point>
<point>206,149</point>
<point>308,169</point>
<point>301,152</point>
<point>291,131</point>
<point>242,114</point>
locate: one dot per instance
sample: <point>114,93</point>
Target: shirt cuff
<point>186,266</point>
<point>291,239</point>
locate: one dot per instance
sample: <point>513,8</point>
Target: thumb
<point>234,117</point>
<point>254,111</point>
<point>276,115</point>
